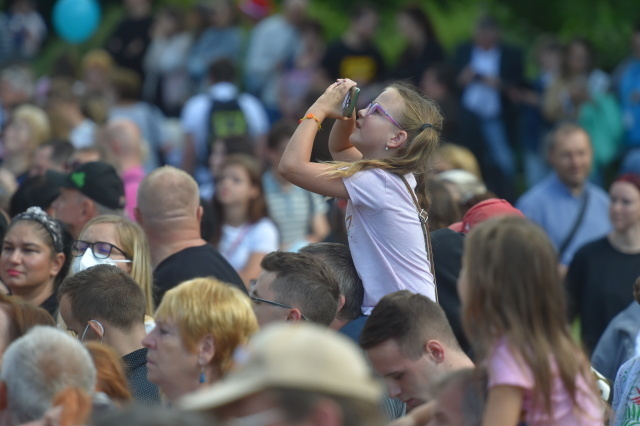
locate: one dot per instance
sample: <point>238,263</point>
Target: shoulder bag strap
<point>423,216</point>
<point>576,225</point>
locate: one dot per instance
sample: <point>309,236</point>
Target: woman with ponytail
<point>382,154</point>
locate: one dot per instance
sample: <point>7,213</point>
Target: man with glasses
<point>104,303</point>
<point>295,287</point>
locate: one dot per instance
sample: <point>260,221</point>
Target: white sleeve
<point>263,237</point>
<point>368,188</point>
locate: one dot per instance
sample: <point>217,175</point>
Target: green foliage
<point>606,23</point>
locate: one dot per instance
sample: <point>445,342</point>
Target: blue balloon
<point>76,20</point>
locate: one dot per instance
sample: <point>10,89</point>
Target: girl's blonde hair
<point>513,290</point>
<point>37,121</point>
<point>415,156</point>
<point>134,243</point>
<point>205,306</point>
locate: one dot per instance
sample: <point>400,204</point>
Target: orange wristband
<point>311,117</point>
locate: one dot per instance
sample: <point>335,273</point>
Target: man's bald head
<point>124,136</point>
<point>166,195</point>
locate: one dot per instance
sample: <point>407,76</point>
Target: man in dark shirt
<point>104,303</point>
<point>354,55</point>
<point>129,42</point>
<point>169,211</point>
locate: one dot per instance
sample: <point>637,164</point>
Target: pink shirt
<point>132,178</point>
<point>505,368</point>
<point>385,236</point>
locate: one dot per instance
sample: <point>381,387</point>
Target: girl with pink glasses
<point>381,156</point>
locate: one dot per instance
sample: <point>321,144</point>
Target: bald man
<point>125,142</point>
<point>169,211</point>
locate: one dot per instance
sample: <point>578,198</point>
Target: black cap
<point>96,180</point>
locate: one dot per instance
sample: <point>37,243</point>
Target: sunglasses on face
<point>375,107</point>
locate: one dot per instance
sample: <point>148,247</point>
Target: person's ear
<point>341,301</point>
<point>207,350</point>
<point>199,213</point>
<point>56,265</point>
<point>96,329</point>
<point>398,140</point>
<point>88,208</point>
<point>294,315</point>
<point>435,350</point>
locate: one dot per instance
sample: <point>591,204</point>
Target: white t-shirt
<point>385,236</point>
<point>239,242</point>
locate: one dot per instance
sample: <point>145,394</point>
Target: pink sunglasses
<point>374,106</point>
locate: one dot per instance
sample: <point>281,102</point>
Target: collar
<point>223,90</point>
<point>135,359</point>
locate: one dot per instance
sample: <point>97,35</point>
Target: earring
<point>202,376</point>
<point>386,148</point>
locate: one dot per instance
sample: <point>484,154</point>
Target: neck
<point>35,295</point>
<point>457,360</point>
<point>17,164</point>
<point>178,390</point>
<point>236,214</point>
<point>124,342</point>
<point>575,189</point>
<point>75,118</point>
<point>338,323</point>
<point>127,162</point>
<point>169,238</point>
<point>627,241</point>
<point>352,39</point>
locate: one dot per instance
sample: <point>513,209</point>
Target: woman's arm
<point>296,165</point>
<point>504,406</point>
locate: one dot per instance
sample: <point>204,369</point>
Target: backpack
<point>226,120</point>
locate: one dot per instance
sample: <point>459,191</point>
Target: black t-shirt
<point>447,246</point>
<point>364,65</point>
<point>600,285</point>
<point>193,262</point>
<point>129,42</point>
<point>51,304</point>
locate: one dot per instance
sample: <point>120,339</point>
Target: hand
<point>329,104</point>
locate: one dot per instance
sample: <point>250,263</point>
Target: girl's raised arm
<point>296,165</point>
<point>504,406</point>
<point>339,145</point>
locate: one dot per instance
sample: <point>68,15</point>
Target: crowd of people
<point>195,230</point>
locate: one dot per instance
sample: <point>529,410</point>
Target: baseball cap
<point>485,210</point>
<point>96,180</point>
<point>300,356</point>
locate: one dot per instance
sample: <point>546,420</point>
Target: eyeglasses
<point>257,301</point>
<point>100,249</point>
<point>374,106</point>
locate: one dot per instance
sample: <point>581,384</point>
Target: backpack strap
<point>424,217</point>
<point>574,229</point>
